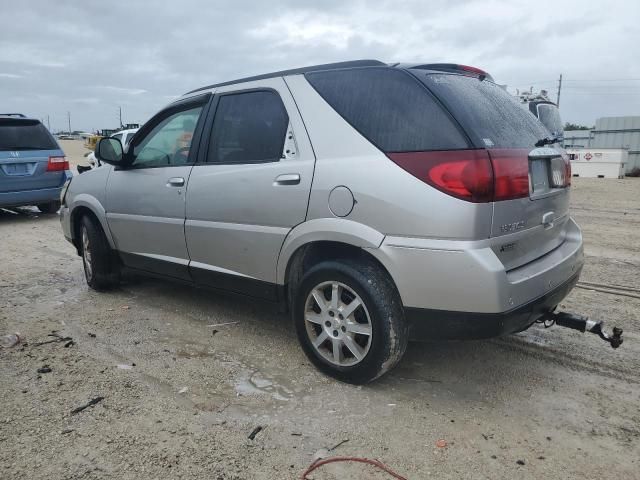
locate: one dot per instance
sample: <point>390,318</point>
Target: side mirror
<point>109,150</point>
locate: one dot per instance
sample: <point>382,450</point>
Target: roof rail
<point>295,71</point>
<point>19,115</point>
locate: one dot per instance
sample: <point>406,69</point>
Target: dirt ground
<point>541,404</point>
<point>75,152</point>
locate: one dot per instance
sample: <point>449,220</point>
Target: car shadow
<point>471,370</point>
<point>9,215</point>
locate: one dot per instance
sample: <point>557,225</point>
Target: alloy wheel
<point>338,323</point>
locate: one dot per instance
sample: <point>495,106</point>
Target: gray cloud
<point>91,58</point>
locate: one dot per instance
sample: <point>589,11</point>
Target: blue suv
<point>33,168</point>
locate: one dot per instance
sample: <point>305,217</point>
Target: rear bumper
<point>426,324</point>
<point>33,197</point>
<point>458,277</point>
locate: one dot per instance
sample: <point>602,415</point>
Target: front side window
<point>169,142</point>
<point>248,128</point>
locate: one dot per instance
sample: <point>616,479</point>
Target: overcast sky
<point>90,57</point>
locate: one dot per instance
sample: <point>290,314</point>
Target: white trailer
<point>598,162</point>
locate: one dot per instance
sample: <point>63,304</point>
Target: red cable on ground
<point>376,463</point>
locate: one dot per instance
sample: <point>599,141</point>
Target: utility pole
<point>120,110</point>
<point>69,120</point>
<point>48,124</point>
<point>559,88</point>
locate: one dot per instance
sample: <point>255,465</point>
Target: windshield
<point>549,115</point>
<point>18,134</point>
<point>489,115</point>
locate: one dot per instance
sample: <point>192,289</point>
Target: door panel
<point>238,214</point>
<point>146,201</point>
<point>146,217</point>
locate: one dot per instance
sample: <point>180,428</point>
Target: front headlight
<point>63,192</point>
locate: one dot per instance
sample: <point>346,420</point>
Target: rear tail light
<point>473,175</point>
<point>567,164</point>
<point>57,164</point>
<point>511,172</point>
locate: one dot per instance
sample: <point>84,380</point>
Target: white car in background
<point>124,136</point>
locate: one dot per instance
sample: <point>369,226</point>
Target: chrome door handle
<point>288,179</point>
<point>175,182</point>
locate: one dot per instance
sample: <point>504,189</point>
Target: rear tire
<point>100,267</point>
<point>349,320</point>
<point>51,207</point>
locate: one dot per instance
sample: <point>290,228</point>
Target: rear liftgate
<point>582,324</point>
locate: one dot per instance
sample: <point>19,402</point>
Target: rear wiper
<point>547,141</point>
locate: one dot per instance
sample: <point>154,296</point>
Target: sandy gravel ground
<point>75,152</point>
<point>542,404</point>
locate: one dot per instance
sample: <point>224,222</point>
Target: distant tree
<point>575,126</point>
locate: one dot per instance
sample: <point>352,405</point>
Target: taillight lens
<point>473,175</point>
<point>465,174</point>
<point>57,164</point>
<point>567,164</point>
<point>511,172</point>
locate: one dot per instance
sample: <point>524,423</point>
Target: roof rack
<point>19,115</point>
<point>296,71</point>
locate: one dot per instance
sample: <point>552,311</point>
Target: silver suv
<point>376,202</point>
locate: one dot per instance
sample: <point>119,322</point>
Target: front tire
<point>100,268</point>
<point>51,207</point>
<point>349,320</point>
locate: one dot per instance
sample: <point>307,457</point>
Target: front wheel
<point>100,268</point>
<point>349,320</point>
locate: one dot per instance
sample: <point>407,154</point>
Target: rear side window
<point>16,134</point>
<point>492,117</point>
<point>390,108</point>
<point>248,128</point>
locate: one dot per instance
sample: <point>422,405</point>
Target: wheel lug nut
<point>340,316</point>
<point>331,314</point>
<point>327,323</point>
<point>335,333</point>
<point>344,329</point>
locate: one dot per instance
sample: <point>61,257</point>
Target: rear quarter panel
<point>387,198</point>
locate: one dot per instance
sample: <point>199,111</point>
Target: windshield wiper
<point>547,141</point>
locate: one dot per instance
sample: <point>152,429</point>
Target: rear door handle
<point>175,182</point>
<point>288,179</point>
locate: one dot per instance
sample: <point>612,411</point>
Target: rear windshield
<point>490,115</point>
<point>549,115</point>
<point>390,108</point>
<point>16,134</point>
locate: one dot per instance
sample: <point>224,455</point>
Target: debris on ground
<point>338,444</point>
<point>520,462</point>
<point>44,369</point>
<point>183,390</point>
<point>90,403</point>
<point>11,340</point>
<point>124,366</point>
<point>254,432</point>
<point>441,443</point>
<point>376,463</point>
<point>56,339</point>
<point>222,324</point>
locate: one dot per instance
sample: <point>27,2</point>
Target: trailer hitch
<point>582,324</point>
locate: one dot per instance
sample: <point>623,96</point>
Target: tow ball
<point>582,324</point>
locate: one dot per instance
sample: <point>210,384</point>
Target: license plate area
<point>18,169</point>
<point>539,182</point>
<point>546,175</point>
